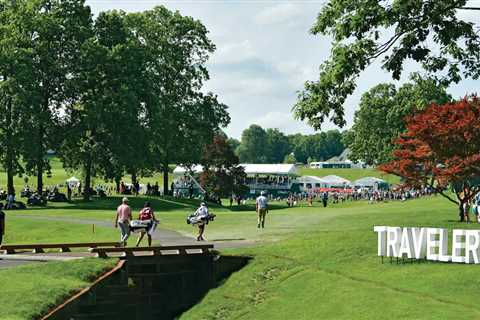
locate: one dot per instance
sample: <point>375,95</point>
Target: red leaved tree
<point>441,148</point>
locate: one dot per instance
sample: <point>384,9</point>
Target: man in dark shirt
<point>2,223</point>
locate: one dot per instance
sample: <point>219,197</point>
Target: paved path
<point>162,235</point>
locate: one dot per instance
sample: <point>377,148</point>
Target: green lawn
<point>29,291</point>
<point>313,262</point>
<point>329,270</point>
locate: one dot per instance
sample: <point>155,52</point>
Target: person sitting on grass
<point>147,214</point>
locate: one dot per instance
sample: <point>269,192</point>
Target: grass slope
<point>330,271</point>
<point>31,290</point>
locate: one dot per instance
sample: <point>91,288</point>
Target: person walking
<point>202,216</point>
<point>147,214</point>
<point>262,208</point>
<point>124,215</point>
<point>325,199</point>
<point>2,223</point>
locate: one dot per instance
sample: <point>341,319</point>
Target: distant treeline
<point>258,145</point>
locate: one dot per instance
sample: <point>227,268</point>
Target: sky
<point>265,54</point>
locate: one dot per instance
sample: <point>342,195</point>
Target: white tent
<point>335,181</point>
<point>250,169</point>
<point>73,182</point>
<point>270,169</point>
<point>370,182</point>
<point>311,182</point>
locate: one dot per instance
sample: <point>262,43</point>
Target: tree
<point>222,175</point>
<point>364,31</point>
<point>57,30</point>
<point>380,118</point>
<point>441,147</point>
<point>278,146</point>
<point>104,133</point>
<point>234,143</point>
<point>321,146</point>
<point>254,145</point>
<point>290,158</point>
<point>179,117</point>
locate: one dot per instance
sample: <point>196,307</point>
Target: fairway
<point>308,263</point>
<point>330,270</point>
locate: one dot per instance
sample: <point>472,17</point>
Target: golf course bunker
<point>150,287</point>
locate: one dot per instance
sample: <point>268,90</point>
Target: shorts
<point>262,211</point>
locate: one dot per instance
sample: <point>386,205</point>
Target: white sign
<point>429,243</point>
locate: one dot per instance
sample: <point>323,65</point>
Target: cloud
<point>283,13</point>
<point>282,121</point>
<point>231,52</point>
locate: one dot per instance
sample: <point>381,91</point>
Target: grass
<point>59,175</point>
<point>313,263</point>
<point>329,270</point>
<point>29,291</point>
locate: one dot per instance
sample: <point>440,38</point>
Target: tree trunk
<point>40,162</point>
<point>165,179</point>
<point>461,212</point>
<point>41,151</point>
<point>117,184</point>
<point>134,178</point>
<point>88,178</point>
<point>9,156</point>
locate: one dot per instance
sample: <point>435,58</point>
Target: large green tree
<point>57,30</point>
<point>381,116</point>
<point>104,134</point>
<point>180,118</point>
<point>278,145</point>
<point>430,33</point>
<point>254,145</point>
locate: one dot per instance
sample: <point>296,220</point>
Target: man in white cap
<point>124,215</point>
<point>202,215</point>
<point>262,209</point>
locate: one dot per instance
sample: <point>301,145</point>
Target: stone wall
<point>158,287</point>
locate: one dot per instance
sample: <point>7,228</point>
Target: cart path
<point>162,235</point>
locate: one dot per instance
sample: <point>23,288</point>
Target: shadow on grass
<point>160,204</point>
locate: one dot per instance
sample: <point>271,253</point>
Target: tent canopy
<point>73,180</point>
<point>335,180</point>
<point>250,169</point>
<point>311,179</point>
<point>370,182</point>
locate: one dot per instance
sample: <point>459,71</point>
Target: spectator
<point>2,223</point>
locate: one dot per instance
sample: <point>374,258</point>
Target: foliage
<point>363,31</point>
<point>380,118</point>
<point>253,147</point>
<point>179,117</point>
<point>290,158</point>
<point>321,146</point>
<point>272,146</point>
<point>440,147</point>
<point>222,175</point>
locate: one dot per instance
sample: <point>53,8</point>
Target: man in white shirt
<point>262,209</point>
<point>202,214</point>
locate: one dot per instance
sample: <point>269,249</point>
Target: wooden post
<point>93,228</point>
